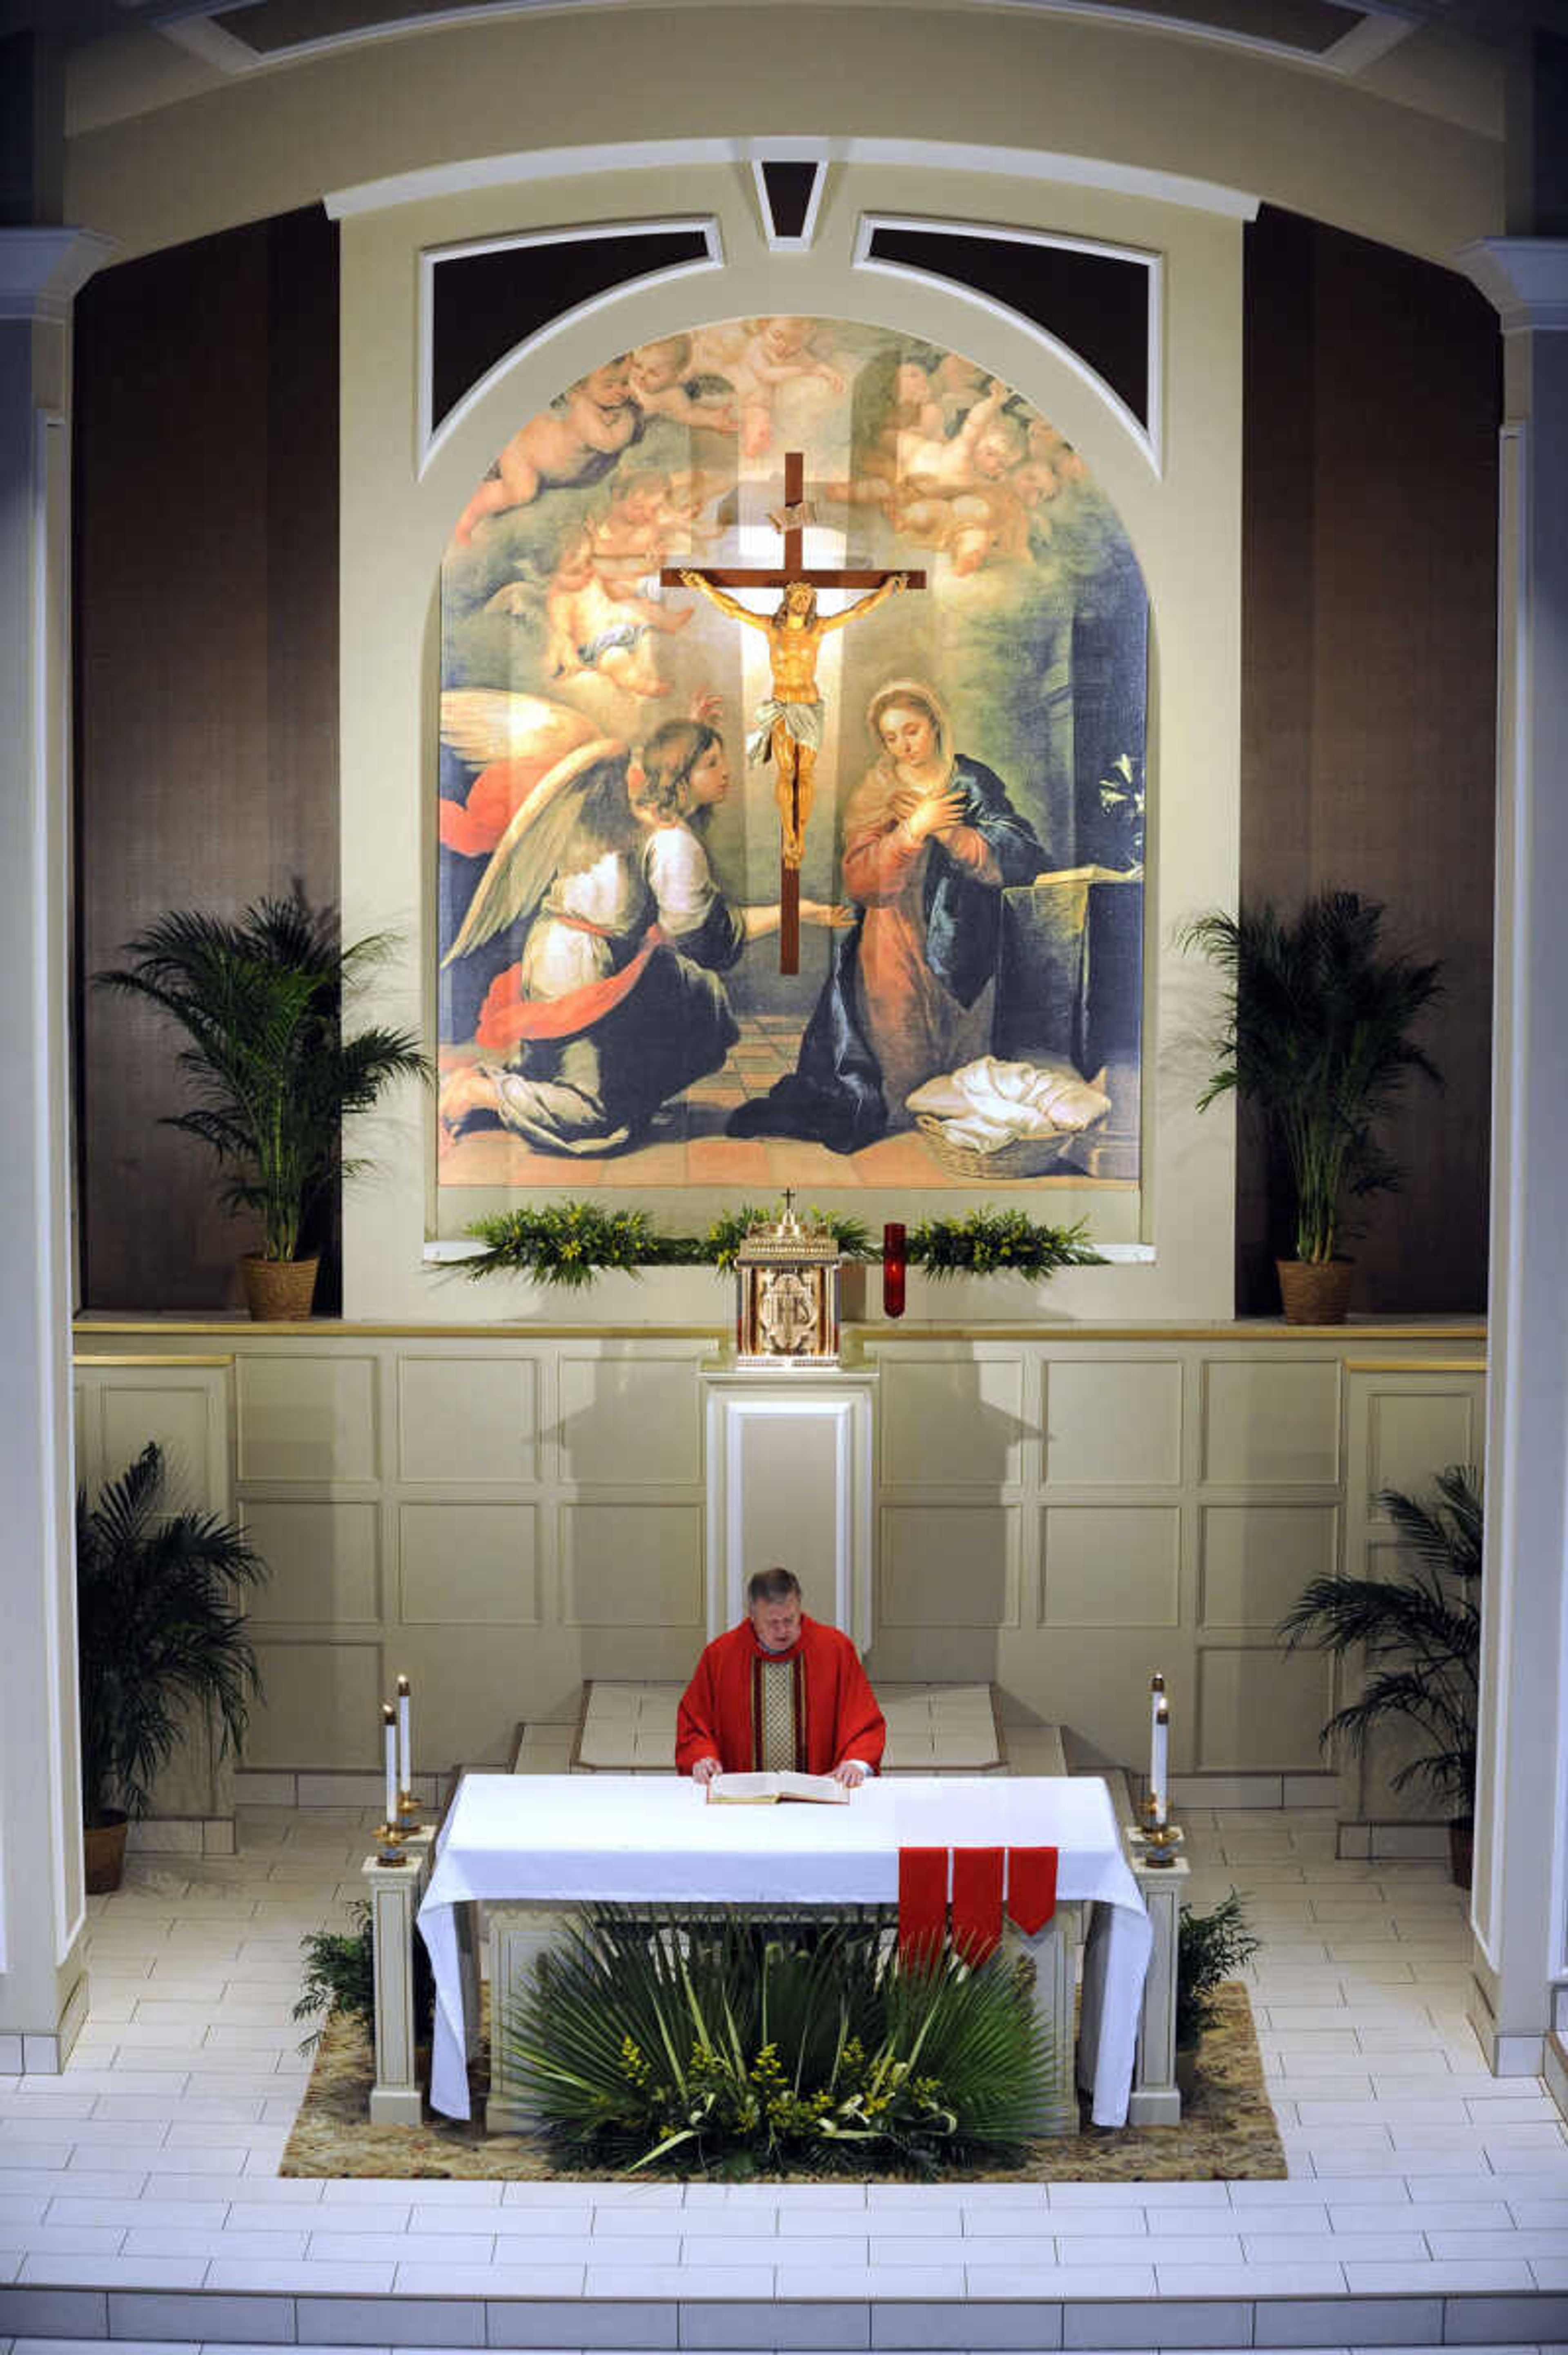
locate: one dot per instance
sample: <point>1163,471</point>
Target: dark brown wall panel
<point>207,641</point>
<point>1369,690</point>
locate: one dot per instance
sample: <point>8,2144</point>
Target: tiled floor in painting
<point>150,2163</point>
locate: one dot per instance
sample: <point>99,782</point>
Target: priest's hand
<point>705,1770</point>
<point>850,1773</point>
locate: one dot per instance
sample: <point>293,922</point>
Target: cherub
<point>576,439</point>
<point>665,385</point>
<point>776,351</point>
<point>651,512</point>
<point>596,627</point>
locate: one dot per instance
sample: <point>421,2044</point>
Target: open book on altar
<point>761,1790</point>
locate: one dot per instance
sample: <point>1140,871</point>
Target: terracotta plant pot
<point>278,1289</point>
<point>1314,1292</point>
<point>103,1852</point>
<point>1461,1849</point>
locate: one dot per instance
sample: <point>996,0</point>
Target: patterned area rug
<point>1227,2131</point>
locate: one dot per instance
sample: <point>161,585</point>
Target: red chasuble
<point>836,1712</point>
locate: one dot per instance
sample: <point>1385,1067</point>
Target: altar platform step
<point>629,1728</point>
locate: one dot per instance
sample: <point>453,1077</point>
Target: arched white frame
<point>432,436</point>
<point>1147,438</point>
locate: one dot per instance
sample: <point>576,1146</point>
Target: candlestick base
<point>1157,1842</point>
<point>408,1813</point>
<point>389,1845</point>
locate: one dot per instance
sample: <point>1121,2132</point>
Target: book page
<point>743,1790</point>
<point>822,1788</point>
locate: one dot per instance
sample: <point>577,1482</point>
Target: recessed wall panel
<point>1256,1559</point>
<point>304,1417</point>
<point>626,1419</point>
<point>1269,1425</point>
<point>323,1706</point>
<point>180,1419</point>
<point>1413,1435</point>
<point>949,1566</point>
<point>324,1560</point>
<point>468,1420</point>
<point>1111,1566</point>
<point>1260,1707</point>
<point>1113,1424</point>
<point>635,1565</point>
<point>952,1423</point>
<point>469,1565</point>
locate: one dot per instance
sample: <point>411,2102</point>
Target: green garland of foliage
<point>340,1975</point>
<point>734,2046</point>
<point>573,1244</point>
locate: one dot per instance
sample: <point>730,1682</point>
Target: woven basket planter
<point>1314,1292</point>
<point>279,1290</point>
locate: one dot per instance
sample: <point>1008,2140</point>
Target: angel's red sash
<point>507,1018</point>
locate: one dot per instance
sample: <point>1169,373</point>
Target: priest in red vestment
<point>779,1693</point>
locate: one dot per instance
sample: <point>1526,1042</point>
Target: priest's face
<point>776,1625</point>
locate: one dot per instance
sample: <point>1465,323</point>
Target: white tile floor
<point>149,2167</point>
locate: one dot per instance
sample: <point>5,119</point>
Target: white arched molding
<point>433,435</point>
<point>1147,438</point>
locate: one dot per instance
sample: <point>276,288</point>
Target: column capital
<point>42,270</point>
<point>1524,277</point>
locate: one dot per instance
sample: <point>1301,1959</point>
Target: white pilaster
<point>41,1899</point>
<point>1519,1908</point>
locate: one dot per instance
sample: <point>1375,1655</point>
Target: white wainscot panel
<point>1415,1434</point>
<point>322,1705</point>
<point>467,1419</point>
<point>951,1423</point>
<point>1111,1566</point>
<point>628,1419</point>
<point>1256,1559</point>
<point>949,1566</point>
<point>180,1417</point>
<point>325,1560</point>
<point>468,1565</point>
<point>634,1565</point>
<point>1113,1424</point>
<point>1270,1424</point>
<point>304,1417</point>
<point>1262,1708</point>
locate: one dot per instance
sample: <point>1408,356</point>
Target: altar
<point>528,1846</point>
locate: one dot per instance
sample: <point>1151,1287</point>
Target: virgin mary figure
<point>930,841</point>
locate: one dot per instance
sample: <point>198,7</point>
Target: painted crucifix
<point>788,727</point>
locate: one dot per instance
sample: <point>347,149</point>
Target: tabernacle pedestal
<point>790,1479</point>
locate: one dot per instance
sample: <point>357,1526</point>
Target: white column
<point>42,1986</point>
<point>1520,1907</point>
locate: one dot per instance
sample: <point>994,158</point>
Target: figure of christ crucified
<point>788,726</point>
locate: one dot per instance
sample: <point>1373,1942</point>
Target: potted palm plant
<point>260,1000</point>
<point>1315,1033</point>
<point>159,1636</point>
<point>1421,1636</point>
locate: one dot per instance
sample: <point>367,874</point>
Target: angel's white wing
<point>528,858</point>
<point>482,724</point>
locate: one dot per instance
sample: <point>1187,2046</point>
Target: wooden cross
<point>791,520</point>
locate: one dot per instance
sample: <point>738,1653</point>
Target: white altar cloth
<point>642,1838</point>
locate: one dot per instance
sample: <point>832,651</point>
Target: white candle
<point>390,1735</point>
<point>1156,1697</point>
<point>1159,1761</point>
<point>405,1739</point>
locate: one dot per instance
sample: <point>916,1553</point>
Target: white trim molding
<point>1525,279</point>
<point>42,270</point>
<point>790,151</point>
<point>431,436</point>
<point>1147,438</point>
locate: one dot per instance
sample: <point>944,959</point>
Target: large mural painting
<point>942,761</point>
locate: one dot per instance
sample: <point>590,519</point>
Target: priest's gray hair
<point>775,1585</point>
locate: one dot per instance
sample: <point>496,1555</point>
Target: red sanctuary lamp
<point>895,1266</point>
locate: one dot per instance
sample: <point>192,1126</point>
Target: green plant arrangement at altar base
<point>340,1978</point>
<point>159,1636</point>
<point>735,2047</point>
<point>1419,1636</point>
<point>1210,1949</point>
<point>570,1244</point>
